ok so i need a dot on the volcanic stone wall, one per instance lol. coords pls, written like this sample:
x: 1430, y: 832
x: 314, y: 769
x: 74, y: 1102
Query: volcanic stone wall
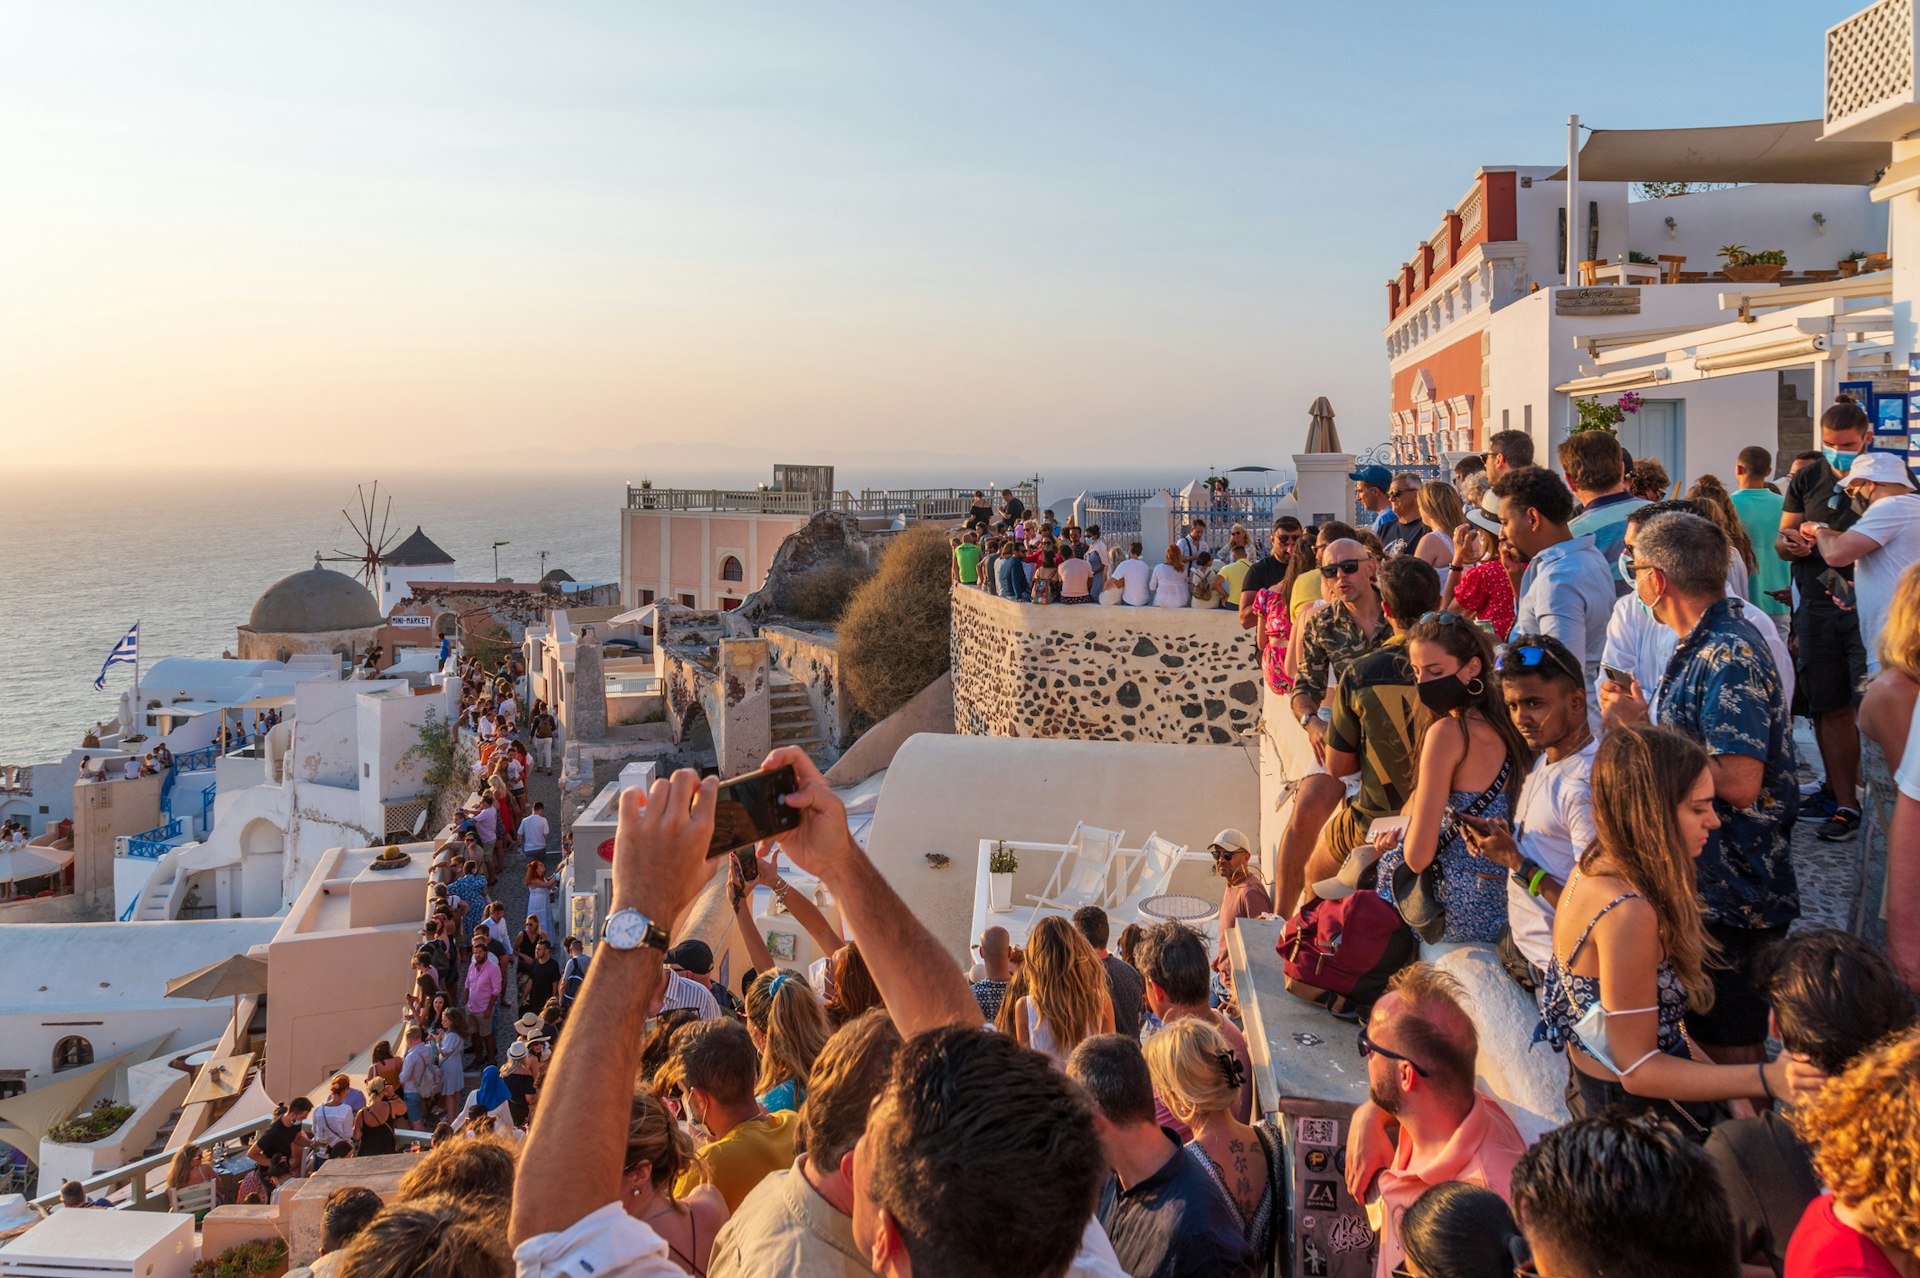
x: 1096, y: 673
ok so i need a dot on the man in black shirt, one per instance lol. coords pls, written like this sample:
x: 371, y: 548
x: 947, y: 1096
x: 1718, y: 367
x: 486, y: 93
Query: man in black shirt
x: 1403, y: 531
x: 539, y: 979
x: 1126, y: 987
x: 1830, y: 661
x: 1271, y: 570
x: 284, y: 1136
x: 1164, y: 1216
x: 1012, y: 510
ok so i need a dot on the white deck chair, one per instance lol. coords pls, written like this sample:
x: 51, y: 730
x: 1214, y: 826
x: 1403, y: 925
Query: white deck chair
x: 1156, y: 860
x: 1084, y: 874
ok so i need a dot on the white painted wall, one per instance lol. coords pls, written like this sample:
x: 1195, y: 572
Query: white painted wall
x: 394, y: 581
x: 1761, y: 217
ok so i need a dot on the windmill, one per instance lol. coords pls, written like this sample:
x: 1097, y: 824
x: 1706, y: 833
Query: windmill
x: 373, y: 546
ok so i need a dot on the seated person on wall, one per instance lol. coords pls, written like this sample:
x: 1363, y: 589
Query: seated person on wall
x: 1331, y: 639
x: 1373, y: 727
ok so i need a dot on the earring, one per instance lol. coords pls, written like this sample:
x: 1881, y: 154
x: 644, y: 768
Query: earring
x: 1476, y: 687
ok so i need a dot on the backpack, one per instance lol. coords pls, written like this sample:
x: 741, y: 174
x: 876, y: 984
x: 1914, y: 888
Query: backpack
x: 1341, y: 954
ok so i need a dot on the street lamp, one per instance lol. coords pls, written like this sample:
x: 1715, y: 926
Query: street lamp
x: 496, y: 557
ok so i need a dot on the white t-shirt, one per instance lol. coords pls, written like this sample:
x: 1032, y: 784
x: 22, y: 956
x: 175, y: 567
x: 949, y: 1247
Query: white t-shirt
x: 1553, y: 824
x: 533, y: 833
x: 1170, y: 589
x: 1893, y: 524
x: 606, y: 1243
x: 1135, y: 579
x: 1642, y: 647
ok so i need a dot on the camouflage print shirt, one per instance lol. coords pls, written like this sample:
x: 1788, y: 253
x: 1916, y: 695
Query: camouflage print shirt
x: 1722, y: 690
x: 1331, y: 642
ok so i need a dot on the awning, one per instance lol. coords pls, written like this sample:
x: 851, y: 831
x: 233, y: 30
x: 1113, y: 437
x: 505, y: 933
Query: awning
x: 32, y: 863
x: 1790, y: 152
x: 233, y: 975
x: 642, y: 616
x: 26, y: 1118
x: 265, y: 703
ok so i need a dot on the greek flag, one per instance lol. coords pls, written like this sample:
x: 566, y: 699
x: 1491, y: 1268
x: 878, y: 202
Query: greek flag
x: 125, y: 653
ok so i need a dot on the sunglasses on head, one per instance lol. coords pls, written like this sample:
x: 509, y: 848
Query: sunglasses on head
x: 1341, y: 567
x: 1444, y: 619
x: 1522, y: 656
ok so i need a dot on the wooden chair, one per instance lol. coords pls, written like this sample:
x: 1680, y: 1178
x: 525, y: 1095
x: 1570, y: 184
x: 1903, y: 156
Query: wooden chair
x: 1876, y: 262
x: 1670, y: 268
x: 1587, y: 277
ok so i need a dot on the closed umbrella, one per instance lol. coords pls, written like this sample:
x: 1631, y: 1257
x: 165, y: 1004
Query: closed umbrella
x: 1321, y: 436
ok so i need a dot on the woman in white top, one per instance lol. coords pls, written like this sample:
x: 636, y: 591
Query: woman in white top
x: 1440, y: 511
x: 1170, y: 589
x: 333, y: 1117
x: 1066, y: 999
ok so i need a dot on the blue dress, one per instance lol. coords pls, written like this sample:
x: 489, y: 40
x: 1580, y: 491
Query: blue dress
x: 1475, y: 905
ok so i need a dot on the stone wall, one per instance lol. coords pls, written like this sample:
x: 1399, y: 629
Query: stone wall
x: 813, y: 660
x: 1090, y: 672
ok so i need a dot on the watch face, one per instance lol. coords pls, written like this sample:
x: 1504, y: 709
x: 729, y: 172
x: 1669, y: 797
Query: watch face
x: 626, y: 929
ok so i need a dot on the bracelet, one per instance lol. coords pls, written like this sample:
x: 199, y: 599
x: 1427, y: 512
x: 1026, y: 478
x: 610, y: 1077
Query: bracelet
x: 1533, y: 884
x: 1764, y: 1086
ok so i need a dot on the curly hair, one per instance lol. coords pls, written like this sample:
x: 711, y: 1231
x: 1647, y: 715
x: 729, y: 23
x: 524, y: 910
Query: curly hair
x: 1065, y: 981
x: 1864, y: 1127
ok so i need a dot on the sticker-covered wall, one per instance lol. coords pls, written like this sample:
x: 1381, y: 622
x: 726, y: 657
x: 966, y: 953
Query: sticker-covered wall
x: 1097, y: 673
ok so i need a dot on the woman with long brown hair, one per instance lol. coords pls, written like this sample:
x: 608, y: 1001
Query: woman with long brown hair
x: 1471, y: 763
x: 1711, y: 496
x: 1066, y: 999
x: 1442, y: 513
x: 1630, y: 951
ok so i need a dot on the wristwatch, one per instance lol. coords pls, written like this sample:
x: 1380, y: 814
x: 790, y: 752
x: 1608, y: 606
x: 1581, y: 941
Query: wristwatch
x: 629, y: 929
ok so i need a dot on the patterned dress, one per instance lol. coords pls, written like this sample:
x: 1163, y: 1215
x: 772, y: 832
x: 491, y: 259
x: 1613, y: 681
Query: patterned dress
x: 1473, y: 890
x: 1485, y: 591
x: 1276, y: 629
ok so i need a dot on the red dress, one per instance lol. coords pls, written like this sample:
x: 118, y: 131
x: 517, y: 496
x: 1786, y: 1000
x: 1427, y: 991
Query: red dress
x: 1485, y: 590
x: 1823, y: 1246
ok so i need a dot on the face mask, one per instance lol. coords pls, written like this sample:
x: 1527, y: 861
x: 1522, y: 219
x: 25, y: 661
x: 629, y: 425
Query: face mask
x: 1860, y: 501
x: 1445, y: 694
x: 1838, y: 460
x: 1591, y: 1030
x: 1620, y: 567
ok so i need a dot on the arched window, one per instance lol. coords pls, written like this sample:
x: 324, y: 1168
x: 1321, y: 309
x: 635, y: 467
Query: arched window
x: 730, y: 570
x: 72, y: 1052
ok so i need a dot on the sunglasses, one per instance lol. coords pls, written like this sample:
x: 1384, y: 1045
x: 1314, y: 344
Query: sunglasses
x: 1523, y: 656
x: 1370, y: 1048
x: 1341, y: 568
x: 1403, y: 492
x: 1444, y: 619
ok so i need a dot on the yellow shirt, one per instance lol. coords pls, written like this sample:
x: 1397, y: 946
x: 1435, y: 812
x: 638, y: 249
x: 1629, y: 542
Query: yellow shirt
x: 745, y: 1156
x: 1306, y: 589
x: 1233, y: 574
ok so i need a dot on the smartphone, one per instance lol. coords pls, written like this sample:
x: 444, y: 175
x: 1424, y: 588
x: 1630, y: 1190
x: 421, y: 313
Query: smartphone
x: 749, y: 808
x: 1478, y: 824
x: 1617, y: 675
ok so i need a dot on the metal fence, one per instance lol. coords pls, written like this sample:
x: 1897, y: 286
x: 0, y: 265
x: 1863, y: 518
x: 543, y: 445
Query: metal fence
x: 1254, y: 511
x: 1117, y: 514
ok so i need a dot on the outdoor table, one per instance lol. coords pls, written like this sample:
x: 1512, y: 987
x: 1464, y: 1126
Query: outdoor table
x: 1627, y: 273
x: 1178, y: 907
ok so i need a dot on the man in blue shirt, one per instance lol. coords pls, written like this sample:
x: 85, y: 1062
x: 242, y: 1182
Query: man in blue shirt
x: 1163, y: 1214
x: 1721, y: 688
x: 1370, y: 484
x: 1596, y: 469
x: 1567, y: 589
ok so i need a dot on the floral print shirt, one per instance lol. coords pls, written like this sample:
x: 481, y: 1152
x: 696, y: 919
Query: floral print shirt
x: 1721, y: 689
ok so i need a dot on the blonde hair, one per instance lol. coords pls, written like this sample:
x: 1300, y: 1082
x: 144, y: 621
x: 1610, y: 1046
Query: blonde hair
x: 1440, y: 507
x: 1864, y: 1127
x: 1065, y: 981
x: 1899, y: 642
x: 782, y: 1008
x: 182, y: 1165
x: 1188, y: 1059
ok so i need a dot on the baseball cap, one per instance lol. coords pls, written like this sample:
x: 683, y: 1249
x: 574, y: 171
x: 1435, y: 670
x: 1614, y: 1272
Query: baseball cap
x: 1379, y: 476
x: 693, y: 956
x: 1231, y: 840
x: 1879, y: 468
x: 1486, y: 516
x: 1352, y: 870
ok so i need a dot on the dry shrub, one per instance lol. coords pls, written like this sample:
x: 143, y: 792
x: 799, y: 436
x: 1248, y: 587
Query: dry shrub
x: 894, y: 636
x: 822, y: 593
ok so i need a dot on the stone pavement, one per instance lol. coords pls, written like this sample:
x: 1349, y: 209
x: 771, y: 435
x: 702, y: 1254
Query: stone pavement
x: 1828, y: 879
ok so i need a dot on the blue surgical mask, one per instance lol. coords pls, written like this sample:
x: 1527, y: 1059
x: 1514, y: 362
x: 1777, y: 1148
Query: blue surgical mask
x: 1620, y: 566
x: 1838, y: 460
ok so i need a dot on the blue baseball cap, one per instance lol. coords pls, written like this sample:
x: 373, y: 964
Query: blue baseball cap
x: 1379, y: 476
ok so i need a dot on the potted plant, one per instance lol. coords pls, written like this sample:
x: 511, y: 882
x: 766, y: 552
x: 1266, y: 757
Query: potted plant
x: 255, y: 1258
x: 1594, y: 415
x: 1850, y: 264
x: 1635, y: 255
x: 1745, y: 266
x: 1000, y: 867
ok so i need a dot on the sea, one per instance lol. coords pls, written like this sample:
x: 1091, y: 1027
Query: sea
x: 84, y: 557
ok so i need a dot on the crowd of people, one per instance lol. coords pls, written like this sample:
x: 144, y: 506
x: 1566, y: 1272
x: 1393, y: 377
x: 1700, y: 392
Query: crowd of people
x: 1551, y: 713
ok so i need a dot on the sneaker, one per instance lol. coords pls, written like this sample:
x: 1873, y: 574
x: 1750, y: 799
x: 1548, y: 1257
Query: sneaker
x: 1841, y: 826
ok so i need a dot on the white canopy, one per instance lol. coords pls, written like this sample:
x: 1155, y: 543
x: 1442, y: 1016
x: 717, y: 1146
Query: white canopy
x: 31, y: 863
x: 1789, y: 152
x: 641, y: 616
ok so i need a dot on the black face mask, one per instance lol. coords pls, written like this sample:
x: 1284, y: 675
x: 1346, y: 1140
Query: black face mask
x: 1445, y: 694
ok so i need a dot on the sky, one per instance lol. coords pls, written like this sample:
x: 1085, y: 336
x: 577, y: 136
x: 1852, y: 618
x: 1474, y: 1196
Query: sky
x: 1048, y: 234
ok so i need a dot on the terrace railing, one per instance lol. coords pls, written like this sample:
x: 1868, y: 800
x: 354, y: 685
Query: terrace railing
x: 153, y: 844
x: 915, y: 503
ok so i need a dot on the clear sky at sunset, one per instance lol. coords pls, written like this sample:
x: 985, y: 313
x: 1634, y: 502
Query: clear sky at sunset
x: 1044, y: 232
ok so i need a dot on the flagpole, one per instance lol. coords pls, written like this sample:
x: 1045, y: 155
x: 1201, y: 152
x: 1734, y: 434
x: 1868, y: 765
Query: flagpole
x: 137, y: 715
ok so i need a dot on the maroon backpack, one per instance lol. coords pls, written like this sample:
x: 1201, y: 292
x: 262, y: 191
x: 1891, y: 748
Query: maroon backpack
x: 1341, y: 954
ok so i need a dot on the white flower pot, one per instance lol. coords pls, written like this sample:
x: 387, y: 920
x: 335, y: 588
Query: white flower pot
x: 1000, y: 893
